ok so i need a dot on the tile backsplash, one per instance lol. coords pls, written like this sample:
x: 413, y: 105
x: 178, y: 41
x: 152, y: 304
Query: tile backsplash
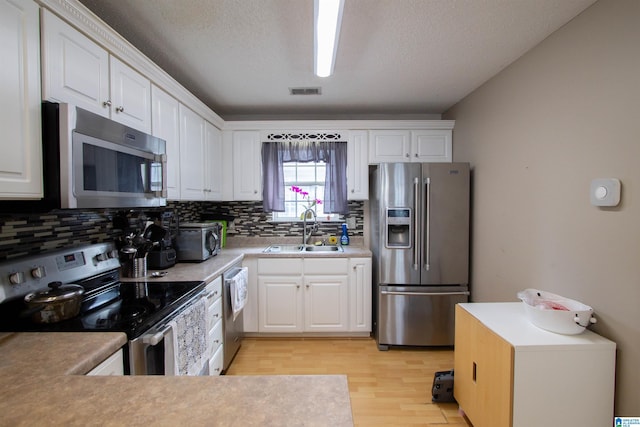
x: 27, y: 234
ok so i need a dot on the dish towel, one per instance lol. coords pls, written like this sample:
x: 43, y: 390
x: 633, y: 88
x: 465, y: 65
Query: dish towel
x: 190, y: 339
x: 238, y: 291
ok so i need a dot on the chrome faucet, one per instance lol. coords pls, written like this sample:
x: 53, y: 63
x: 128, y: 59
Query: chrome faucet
x: 305, y: 238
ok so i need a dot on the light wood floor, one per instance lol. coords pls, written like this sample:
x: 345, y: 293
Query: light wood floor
x: 390, y: 388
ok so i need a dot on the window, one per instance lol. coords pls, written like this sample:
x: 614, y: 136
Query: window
x: 309, y: 178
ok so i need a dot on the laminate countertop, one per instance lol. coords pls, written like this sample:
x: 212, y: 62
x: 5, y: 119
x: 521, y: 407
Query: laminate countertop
x: 39, y: 388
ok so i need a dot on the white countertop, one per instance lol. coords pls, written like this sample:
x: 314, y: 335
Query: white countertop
x: 509, y: 321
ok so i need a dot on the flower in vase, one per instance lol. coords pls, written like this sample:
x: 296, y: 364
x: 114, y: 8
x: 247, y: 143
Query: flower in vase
x: 310, y: 203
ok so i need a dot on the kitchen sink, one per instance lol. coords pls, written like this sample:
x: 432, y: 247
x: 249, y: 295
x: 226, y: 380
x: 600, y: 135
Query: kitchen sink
x: 288, y: 249
x: 281, y: 249
x: 323, y: 249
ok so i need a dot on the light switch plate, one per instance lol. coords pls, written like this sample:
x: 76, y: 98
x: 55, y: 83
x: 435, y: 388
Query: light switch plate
x: 605, y: 192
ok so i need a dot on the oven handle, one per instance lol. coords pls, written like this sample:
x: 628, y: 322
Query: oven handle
x: 154, y: 339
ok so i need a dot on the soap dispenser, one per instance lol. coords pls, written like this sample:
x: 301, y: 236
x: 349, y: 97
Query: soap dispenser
x: 344, y: 239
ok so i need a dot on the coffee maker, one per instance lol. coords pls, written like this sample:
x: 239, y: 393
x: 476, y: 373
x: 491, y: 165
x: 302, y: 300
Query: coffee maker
x: 162, y: 254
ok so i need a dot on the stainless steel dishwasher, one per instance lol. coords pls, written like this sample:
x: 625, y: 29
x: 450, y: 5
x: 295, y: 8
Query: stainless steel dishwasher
x: 233, y: 329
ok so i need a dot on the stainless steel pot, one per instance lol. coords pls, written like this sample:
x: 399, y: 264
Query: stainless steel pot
x: 58, y: 303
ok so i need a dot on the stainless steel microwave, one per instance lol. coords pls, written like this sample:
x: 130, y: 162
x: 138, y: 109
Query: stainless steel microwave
x: 89, y: 161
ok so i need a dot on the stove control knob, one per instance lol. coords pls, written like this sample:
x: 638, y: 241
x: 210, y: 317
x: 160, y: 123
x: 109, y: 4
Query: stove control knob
x: 102, y: 257
x: 38, y: 272
x: 16, y: 278
x: 112, y: 254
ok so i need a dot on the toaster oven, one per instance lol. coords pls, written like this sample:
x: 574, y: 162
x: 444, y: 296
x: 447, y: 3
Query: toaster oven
x: 198, y: 241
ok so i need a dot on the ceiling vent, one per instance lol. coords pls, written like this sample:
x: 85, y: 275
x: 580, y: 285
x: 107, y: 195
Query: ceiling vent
x: 305, y: 91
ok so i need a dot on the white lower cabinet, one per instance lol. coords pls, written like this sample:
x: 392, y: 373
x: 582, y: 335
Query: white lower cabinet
x: 360, y: 294
x: 113, y: 365
x: 297, y: 295
x: 214, y: 325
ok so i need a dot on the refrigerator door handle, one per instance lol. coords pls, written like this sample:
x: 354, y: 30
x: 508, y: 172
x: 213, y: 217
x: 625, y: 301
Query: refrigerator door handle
x: 430, y: 294
x: 416, y: 228
x: 427, y: 226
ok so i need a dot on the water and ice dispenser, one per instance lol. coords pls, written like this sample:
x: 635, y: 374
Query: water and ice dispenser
x: 398, y: 228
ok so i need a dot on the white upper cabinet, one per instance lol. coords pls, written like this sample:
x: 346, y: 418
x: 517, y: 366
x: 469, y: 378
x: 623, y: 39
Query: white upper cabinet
x: 423, y: 145
x: 192, y: 140
x: 247, y: 165
x: 165, y: 124
x: 212, y: 162
x: 357, y: 165
x: 431, y: 145
x: 74, y: 68
x: 130, y: 96
x: 78, y: 71
x: 21, y: 160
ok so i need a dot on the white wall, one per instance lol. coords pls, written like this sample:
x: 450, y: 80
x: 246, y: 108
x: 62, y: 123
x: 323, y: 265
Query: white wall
x: 536, y: 135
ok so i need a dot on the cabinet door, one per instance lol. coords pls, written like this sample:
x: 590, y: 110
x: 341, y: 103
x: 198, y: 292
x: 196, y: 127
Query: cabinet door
x: 247, y: 166
x: 281, y: 307
x: 113, y: 365
x: 360, y: 288
x: 191, y: 155
x: 213, y: 162
x: 358, y: 165
x: 431, y: 145
x: 21, y: 160
x: 74, y: 68
x: 483, y: 363
x: 389, y: 146
x: 130, y: 96
x: 326, y: 304
x: 165, y: 124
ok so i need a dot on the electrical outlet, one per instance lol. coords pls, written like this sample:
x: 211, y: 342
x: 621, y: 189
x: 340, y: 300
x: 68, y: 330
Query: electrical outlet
x: 351, y: 223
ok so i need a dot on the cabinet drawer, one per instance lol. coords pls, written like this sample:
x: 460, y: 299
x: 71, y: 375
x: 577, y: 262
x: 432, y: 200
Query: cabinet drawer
x: 215, y: 363
x: 280, y: 266
x: 215, y: 338
x: 326, y: 266
x: 214, y: 290
x: 214, y: 313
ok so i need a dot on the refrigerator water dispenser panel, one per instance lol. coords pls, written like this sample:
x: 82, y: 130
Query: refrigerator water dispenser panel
x: 398, y: 228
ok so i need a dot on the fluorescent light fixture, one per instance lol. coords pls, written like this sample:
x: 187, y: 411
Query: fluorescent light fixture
x: 327, y: 19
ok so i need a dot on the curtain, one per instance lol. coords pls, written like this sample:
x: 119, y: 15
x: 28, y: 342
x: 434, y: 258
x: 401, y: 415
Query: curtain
x: 333, y: 153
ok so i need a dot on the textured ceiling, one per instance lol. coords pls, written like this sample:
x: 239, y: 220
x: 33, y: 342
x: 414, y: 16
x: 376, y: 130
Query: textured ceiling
x: 396, y: 58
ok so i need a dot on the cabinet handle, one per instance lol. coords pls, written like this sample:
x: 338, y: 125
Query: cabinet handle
x: 407, y: 155
x: 119, y: 109
x: 255, y: 191
x: 416, y: 155
x: 107, y: 103
x: 475, y: 370
x: 297, y: 286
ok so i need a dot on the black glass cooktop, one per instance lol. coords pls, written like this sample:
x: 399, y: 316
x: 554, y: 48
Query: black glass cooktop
x: 130, y: 307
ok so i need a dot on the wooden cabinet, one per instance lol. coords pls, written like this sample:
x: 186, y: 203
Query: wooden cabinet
x: 360, y: 288
x: 508, y: 372
x: 192, y: 140
x: 113, y: 365
x: 423, y: 145
x: 214, y: 325
x: 247, y: 165
x: 21, y: 160
x: 358, y: 165
x: 165, y: 124
x: 78, y: 71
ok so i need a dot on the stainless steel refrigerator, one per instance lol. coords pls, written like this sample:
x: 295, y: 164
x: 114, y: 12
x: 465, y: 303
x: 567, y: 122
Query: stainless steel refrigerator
x: 419, y: 215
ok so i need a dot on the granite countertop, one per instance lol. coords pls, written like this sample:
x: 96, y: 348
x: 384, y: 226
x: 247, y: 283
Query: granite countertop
x: 236, y: 250
x: 39, y: 387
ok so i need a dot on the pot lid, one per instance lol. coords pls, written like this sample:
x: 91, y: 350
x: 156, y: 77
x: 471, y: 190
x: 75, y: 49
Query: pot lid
x: 57, y: 292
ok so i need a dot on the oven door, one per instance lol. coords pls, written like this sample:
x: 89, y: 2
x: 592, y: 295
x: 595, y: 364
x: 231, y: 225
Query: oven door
x: 155, y: 351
